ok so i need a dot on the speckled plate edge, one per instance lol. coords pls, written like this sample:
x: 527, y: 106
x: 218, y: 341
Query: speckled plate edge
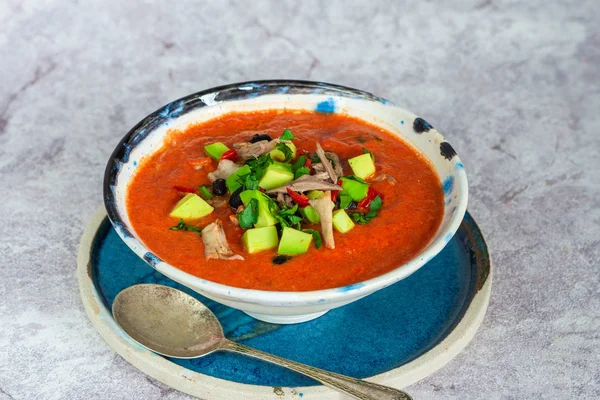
x: 207, y: 387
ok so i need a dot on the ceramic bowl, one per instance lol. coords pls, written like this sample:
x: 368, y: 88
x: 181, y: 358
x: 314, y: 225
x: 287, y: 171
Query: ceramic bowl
x: 284, y: 307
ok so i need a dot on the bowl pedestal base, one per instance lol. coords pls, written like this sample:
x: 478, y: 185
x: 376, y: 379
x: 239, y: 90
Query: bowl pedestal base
x: 285, y: 319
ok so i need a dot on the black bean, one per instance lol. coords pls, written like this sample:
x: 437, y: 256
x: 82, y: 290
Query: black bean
x: 278, y: 260
x: 258, y: 138
x: 235, y: 201
x: 352, y: 206
x: 219, y: 187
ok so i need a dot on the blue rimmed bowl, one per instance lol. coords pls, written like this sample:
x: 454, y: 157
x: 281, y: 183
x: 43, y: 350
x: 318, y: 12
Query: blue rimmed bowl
x: 284, y: 307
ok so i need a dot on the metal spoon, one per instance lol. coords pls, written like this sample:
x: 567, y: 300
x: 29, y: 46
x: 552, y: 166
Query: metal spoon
x: 172, y: 323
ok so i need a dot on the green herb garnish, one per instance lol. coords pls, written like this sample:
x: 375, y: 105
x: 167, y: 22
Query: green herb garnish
x: 287, y: 152
x: 249, y: 216
x: 374, y: 207
x: 366, y: 151
x: 355, y: 178
x: 377, y: 138
x: 204, y: 192
x: 299, y: 163
x: 287, y: 135
x: 285, y: 215
x: 182, y: 226
x: 301, y: 171
x: 345, y: 199
x: 360, y: 139
x: 316, y: 237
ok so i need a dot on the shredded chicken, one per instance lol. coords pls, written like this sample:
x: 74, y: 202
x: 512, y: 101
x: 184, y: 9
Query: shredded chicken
x: 324, y: 206
x: 215, y: 243
x: 305, y: 183
x: 285, y: 199
x: 336, y: 161
x: 385, y: 177
x: 224, y: 169
x: 319, y: 176
x: 247, y: 150
x: 326, y: 163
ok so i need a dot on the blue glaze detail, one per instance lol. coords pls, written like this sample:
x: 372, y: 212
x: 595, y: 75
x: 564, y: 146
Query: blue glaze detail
x: 152, y: 259
x: 172, y: 110
x: 402, y: 122
x: 300, y: 394
x: 283, y: 90
x: 420, y: 309
x: 448, y: 185
x: 251, y: 86
x: 354, y: 286
x: 326, y: 106
x: 459, y: 165
x: 135, y: 163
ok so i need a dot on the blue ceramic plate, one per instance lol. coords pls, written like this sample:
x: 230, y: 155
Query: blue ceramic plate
x: 395, y: 334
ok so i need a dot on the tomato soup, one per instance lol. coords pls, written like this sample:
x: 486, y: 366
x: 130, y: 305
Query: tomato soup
x: 410, y: 214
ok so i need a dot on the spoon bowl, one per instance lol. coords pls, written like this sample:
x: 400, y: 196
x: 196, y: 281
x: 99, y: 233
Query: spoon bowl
x: 174, y: 324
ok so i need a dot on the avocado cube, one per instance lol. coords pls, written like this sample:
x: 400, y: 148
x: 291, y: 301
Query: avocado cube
x: 232, y: 181
x: 342, y: 222
x: 191, y: 206
x: 356, y: 190
x: 276, y: 175
x: 265, y: 217
x: 277, y: 155
x: 362, y: 166
x: 259, y: 239
x: 294, y: 242
x: 216, y: 150
x: 315, y: 194
x: 310, y: 214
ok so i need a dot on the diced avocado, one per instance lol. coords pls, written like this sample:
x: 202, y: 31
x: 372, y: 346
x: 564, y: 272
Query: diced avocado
x: 191, y: 206
x: 342, y: 222
x: 259, y: 239
x: 276, y: 175
x: 315, y: 194
x: 294, y: 242
x: 356, y: 190
x: 265, y: 217
x: 310, y: 214
x: 277, y: 155
x: 232, y: 181
x: 216, y: 150
x: 362, y: 166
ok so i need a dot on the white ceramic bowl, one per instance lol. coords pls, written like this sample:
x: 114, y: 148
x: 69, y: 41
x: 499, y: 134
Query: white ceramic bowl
x: 284, y: 307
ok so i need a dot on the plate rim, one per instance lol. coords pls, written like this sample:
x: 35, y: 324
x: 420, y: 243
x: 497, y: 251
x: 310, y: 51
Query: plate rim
x: 208, y: 387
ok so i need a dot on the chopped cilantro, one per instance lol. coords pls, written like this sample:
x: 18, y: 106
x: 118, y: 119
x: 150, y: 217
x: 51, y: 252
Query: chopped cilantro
x: 249, y: 216
x: 205, y: 193
x: 366, y: 151
x: 345, y: 200
x: 287, y: 135
x: 182, y: 226
x: 301, y: 171
x: 360, y: 139
x: 374, y: 207
x: 299, y: 163
x: 316, y: 237
x: 354, y: 178
x: 287, y: 152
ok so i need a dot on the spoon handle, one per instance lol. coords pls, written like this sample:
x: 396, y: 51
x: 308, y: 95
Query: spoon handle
x: 356, y: 388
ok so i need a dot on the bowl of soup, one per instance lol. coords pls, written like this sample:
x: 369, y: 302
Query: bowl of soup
x: 285, y: 199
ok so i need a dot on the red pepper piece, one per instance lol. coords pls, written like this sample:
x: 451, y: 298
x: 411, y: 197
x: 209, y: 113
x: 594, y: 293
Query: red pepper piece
x: 308, y: 163
x: 335, y: 193
x: 184, y: 189
x: 302, y: 152
x: 262, y: 190
x: 371, y: 194
x: 230, y: 155
x: 298, y: 198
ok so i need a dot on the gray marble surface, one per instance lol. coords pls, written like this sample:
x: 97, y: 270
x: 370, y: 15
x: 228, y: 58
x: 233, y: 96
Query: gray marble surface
x: 514, y: 85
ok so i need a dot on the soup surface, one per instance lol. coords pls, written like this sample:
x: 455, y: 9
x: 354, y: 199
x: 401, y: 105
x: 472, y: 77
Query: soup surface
x: 410, y: 215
